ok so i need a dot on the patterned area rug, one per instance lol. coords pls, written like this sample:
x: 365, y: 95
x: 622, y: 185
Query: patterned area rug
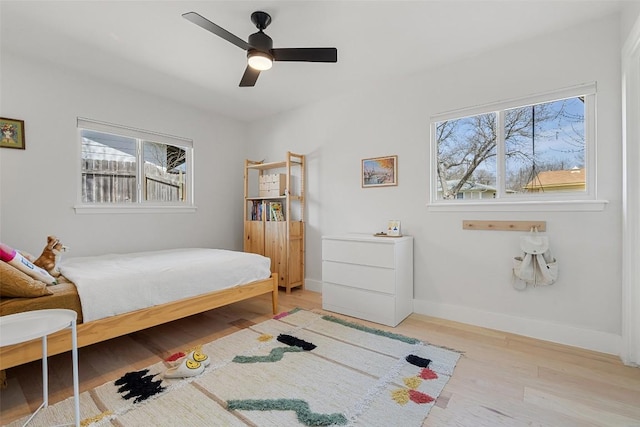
x: 297, y: 369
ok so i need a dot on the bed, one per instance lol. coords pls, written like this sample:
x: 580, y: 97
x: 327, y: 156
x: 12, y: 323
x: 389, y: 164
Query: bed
x: 171, y: 285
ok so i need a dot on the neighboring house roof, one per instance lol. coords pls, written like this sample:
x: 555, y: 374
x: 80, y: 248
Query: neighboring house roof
x: 561, y: 180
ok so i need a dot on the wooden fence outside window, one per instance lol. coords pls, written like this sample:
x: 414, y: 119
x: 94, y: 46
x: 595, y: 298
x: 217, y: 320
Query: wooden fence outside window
x: 113, y: 181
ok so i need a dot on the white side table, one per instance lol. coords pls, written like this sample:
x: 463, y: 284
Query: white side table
x: 26, y: 326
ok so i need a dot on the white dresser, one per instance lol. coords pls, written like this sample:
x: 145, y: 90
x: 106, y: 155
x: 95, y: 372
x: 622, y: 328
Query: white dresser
x: 368, y: 277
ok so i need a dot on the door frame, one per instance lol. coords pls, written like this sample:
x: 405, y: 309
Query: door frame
x: 630, y: 353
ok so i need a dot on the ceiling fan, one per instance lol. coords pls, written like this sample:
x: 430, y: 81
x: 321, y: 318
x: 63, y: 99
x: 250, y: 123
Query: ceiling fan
x: 260, y: 51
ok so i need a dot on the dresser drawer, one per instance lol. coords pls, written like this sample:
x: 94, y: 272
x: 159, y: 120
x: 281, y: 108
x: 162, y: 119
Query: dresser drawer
x: 371, y: 306
x: 359, y: 276
x: 355, y: 252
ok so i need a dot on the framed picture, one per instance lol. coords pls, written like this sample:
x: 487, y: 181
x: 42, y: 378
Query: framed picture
x: 12, y: 133
x: 393, y: 228
x: 380, y: 171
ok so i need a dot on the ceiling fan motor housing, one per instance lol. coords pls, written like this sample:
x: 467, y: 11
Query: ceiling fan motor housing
x: 260, y: 41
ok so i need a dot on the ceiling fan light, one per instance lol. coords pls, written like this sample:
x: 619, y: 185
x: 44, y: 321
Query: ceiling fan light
x: 260, y: 60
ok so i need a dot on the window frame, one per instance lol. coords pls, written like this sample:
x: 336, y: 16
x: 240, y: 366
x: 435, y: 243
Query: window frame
x: 584, y: 200
x: 141, y: 136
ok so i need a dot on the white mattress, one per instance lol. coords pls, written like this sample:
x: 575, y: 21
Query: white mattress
x: 119, y: 283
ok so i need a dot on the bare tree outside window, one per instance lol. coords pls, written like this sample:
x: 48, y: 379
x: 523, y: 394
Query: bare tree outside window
x: 465, y: 146
x: 554, y: 142
x: 534, y: 140
x: 164, y: 172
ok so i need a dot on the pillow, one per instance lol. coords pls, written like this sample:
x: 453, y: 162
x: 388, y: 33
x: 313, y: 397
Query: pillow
x: 18, y: 261
x: 14, y: 283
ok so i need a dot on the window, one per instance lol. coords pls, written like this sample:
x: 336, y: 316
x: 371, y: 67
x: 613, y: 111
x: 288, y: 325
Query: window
x: 539, y: 148
x: 130, y: 168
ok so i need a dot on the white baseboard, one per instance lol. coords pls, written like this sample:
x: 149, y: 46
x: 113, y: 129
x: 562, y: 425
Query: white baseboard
x: 540, y: 329
x: 603, y: 342
x: 313, y: 285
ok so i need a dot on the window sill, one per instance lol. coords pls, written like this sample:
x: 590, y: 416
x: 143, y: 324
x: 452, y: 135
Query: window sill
x: 135, y: 209
x: 521, y: 206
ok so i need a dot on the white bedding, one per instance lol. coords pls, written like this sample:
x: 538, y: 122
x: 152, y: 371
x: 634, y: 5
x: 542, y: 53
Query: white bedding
x: 118, y: 283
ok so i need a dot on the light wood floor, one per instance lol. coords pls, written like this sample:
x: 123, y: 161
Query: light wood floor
x: 501, y: 380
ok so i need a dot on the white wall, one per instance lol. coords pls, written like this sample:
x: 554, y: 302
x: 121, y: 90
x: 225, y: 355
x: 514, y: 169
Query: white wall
x: 465, y: 275
x: 37, y: 193
x: 628, y: 17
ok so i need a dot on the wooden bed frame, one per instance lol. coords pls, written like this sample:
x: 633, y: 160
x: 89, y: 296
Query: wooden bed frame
x: 126, y: 323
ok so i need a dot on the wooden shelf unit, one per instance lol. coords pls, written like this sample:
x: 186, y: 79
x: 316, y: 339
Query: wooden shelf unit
x: 282, y: 241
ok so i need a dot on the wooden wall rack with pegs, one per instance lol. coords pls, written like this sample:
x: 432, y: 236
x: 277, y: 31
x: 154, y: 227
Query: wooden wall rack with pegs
x: 504, y: 225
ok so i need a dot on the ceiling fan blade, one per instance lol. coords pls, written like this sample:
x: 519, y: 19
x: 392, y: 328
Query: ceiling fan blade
x: 307, y: 54
x: 215, y: 29
x: 249, y: 77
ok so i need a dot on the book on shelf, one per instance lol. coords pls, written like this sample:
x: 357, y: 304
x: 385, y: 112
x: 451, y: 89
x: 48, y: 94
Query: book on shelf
x: 256, y: 210
x: 275, y: 211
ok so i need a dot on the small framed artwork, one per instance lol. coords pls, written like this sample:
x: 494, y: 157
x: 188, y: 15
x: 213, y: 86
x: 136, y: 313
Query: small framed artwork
x: 12, y: 133
x: 393, y: 228
x: 380, y: 171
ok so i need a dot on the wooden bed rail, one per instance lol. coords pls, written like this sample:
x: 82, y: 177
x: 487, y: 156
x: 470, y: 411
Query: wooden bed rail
x: 126, y: 323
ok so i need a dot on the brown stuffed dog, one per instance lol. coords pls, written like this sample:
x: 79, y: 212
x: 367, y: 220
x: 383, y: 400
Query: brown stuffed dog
x: 51, y: 256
